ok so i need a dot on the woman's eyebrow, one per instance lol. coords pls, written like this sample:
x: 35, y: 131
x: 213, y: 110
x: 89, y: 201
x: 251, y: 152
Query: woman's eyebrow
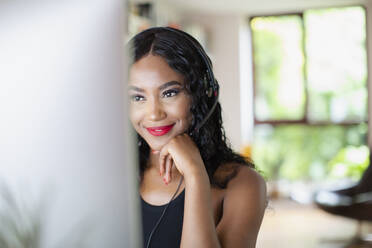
x: 169, y: 84
x: 162, y: 87
x: 131, y: 87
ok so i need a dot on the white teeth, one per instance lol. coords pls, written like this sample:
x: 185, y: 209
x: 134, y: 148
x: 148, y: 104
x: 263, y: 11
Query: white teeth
x: 158, y: 130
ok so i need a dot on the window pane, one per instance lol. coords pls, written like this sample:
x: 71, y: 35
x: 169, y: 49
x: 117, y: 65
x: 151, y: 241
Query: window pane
x: 310, y: 152
x: 336, y: 64
x: 278, y: 62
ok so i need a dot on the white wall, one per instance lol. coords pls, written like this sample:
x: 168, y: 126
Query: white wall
x: 223, y: 37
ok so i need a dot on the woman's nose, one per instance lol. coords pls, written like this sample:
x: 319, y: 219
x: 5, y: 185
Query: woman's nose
x: 155, y: 111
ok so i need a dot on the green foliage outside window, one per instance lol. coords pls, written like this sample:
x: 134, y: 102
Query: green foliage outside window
x: 279, y: 62
x: 311, y: 68
x: 309, y: 152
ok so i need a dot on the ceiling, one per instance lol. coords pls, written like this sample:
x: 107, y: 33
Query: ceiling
x: 255, y: 6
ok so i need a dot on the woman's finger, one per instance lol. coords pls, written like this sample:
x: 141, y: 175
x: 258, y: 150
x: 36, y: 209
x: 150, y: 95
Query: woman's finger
x: 162, y: 161
x: 168, y: 166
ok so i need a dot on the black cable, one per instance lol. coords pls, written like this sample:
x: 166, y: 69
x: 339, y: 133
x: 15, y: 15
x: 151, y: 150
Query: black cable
x: 161, y: 216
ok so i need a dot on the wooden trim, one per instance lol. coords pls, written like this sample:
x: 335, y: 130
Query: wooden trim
x: 303, y: 122
x: 276, y: 15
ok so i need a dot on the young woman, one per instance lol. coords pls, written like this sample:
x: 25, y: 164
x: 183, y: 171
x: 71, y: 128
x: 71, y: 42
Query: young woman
x: 195, y: 191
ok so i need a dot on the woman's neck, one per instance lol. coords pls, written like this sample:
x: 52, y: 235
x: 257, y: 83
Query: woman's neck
x: 153, y: 161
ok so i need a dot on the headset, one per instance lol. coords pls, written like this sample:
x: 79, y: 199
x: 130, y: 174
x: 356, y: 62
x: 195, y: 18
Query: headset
x: 211, y: 90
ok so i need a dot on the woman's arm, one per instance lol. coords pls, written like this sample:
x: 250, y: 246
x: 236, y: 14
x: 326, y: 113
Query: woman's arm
x: 198, y: 223
x: 243, y: 206
x: 198, y: 228
x: 243, y: 209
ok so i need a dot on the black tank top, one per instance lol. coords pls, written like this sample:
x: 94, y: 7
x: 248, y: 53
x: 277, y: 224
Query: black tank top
x: 168, y: 233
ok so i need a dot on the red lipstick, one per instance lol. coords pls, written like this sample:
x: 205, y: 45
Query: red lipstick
x: 159, y: 131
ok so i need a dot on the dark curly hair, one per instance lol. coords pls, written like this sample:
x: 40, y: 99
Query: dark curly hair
x: 180, y: 50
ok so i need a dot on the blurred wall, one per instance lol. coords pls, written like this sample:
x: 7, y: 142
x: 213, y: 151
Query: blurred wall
x: 223, y: 37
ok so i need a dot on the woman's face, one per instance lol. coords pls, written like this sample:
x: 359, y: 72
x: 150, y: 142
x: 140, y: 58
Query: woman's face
x: 159, y: 102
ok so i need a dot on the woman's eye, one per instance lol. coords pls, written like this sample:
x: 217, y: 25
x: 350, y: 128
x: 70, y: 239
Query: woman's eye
x: 170, y: 93
x: 136, y: 98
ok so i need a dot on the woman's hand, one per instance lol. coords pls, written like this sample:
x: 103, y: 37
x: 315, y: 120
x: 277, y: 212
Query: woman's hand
x: 182, y: 152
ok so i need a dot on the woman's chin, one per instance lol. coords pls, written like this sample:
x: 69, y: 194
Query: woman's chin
x: 158, y: 143
x: 156, y: 147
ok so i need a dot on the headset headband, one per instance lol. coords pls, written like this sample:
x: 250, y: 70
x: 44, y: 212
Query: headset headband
x: 212, y: 89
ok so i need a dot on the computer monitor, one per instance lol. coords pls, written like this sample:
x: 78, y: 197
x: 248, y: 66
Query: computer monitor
x: 67, y: 167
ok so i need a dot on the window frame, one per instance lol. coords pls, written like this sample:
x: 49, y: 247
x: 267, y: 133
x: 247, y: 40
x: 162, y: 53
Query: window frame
x: 304, y: 120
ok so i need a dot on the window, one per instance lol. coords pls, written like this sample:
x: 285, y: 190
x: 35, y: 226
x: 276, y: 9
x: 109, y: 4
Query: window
x: 310, y: 94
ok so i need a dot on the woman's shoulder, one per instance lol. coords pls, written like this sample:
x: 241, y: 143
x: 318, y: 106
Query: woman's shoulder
x: 237, y: 173
x: 247, y: 177
x: 244, y: 199
x: 243, y: 205
x: 241, y: 179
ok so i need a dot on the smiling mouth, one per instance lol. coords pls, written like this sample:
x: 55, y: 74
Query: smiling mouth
x: 159, y: 131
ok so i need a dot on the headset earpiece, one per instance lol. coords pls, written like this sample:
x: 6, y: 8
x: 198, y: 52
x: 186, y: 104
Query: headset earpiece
x: 210, y: 82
